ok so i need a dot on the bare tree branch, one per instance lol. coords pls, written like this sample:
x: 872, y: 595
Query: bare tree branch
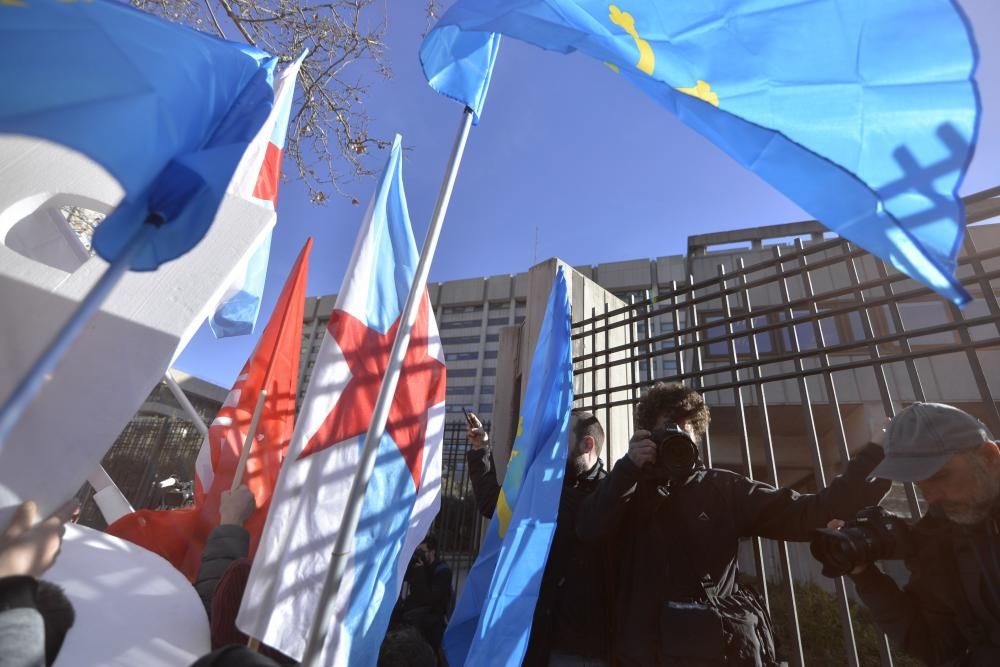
x: 328, y: 135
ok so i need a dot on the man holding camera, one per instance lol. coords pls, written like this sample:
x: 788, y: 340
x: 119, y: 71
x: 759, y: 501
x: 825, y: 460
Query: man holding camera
x: 571, y: 625
x: 949, y: 613
x: 678, y: 525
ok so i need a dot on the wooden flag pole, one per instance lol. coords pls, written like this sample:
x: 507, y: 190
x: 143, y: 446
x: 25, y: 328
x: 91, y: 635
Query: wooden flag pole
x: 352, y: 512
x: 182, y: 399
x: 248, y: 442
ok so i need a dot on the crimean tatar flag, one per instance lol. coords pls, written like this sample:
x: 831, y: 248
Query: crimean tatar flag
x: 180, y: 535
x: 403, y: 494
x: 256, y: 180
x: 863, y: 113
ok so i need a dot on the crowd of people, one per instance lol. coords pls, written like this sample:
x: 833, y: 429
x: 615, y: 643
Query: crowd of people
x: 643, y: 565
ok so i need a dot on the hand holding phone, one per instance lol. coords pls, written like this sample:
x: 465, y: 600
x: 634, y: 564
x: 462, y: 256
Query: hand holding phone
x: 478, y: 437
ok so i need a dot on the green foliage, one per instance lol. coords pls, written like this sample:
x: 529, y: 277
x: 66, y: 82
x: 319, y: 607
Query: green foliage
x: 822, y: 633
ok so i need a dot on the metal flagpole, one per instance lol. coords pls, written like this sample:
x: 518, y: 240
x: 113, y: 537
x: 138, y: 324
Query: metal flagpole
x: 352, y: 513
x: 241, y: 466
x: 182, y: 399
x: 40, y: 372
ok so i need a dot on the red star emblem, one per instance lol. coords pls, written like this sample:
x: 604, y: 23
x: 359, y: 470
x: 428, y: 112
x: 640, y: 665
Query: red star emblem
x: 421, y: 385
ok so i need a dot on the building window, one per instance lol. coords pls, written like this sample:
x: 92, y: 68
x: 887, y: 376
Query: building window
x: 457, y: 407
x: 491, y: 338
x: 462, y: 356
x: 485, y: 408
x: 461, y: 391
x: 518, y: 319
x: 490, y: 354
x: 462, y: 373
x: 497, y: 321
x: 487, y: 389
x: 461, y: 340
x: 454, y: 310
x: 489, y: 372
x: 460, y: 324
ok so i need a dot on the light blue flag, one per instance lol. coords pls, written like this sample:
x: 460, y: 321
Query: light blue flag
x: 492, y: 620
x: 863, y: 113
x: 167, y: 110
x: 459, y: 65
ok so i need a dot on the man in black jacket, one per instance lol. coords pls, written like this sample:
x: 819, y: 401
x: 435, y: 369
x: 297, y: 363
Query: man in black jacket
x: 572, y: 622
x: 427, y: 604
x: 678, y: 525
x: 949, y: 613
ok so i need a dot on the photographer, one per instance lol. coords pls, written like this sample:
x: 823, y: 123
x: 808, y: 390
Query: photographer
x: 678, y: 525
x: 428, y: 604
x: 572, y: 624
x: 949, y: 613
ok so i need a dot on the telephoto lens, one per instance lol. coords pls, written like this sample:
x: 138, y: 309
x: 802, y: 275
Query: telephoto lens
x: 874, y: 535
x: 676, y: 452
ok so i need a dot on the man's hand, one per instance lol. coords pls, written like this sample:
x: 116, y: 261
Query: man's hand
x: 641, y: 449
x: 28, y: 548
x: 837, y: 524
x: 235, y: 507
x: 478, y: 437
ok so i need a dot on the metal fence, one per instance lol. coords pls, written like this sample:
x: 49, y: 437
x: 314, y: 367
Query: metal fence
x: 458, y: 527
x: 796, y: 355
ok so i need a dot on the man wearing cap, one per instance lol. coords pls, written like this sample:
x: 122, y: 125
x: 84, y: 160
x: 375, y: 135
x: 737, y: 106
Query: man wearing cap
x: 949, y: 612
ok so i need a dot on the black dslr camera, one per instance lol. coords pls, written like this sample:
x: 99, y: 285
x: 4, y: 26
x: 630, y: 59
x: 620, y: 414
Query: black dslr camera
x: 873, y: 535
x: 676, y: 452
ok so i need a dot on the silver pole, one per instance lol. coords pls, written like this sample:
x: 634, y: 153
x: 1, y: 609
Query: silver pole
x: 352, y: 513
x: 182, y: 399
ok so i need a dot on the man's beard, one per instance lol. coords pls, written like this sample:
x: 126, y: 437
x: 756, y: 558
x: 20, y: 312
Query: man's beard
x: 977, y: 508
x: 576, y: 465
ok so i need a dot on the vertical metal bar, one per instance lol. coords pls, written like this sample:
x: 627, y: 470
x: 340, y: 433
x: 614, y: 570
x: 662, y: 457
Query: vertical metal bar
x: 607, y: 370
x: 593, y: 361
x: 843, y: 607
x: 650, y: 360
x: 758, y: 549
x: 633, y: 337
x: 878, y: 367
x: 897, y: 321
x: 697, y: 368
x: 676, y: 319
x: 788, y: 584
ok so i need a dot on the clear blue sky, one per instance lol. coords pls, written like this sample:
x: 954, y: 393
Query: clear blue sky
x: 564, y: 145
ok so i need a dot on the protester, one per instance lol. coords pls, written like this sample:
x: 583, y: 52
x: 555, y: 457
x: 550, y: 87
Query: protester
x: 677, y: 525
x: 27, y: 549
x: 572, y: 622
x: 227, y: 543
x: 427, y: 605
x: 405, y: 646
x: 949, y: 612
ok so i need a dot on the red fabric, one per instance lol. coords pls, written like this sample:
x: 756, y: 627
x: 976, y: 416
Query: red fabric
x: 180, y: 535
x: 270, y: 172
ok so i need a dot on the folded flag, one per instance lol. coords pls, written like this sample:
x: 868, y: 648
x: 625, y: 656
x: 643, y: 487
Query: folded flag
x: 492, y: 620
x: 403, y: 494
x: 863, y: 113
x: 256, y: 180
x: 180, y: 535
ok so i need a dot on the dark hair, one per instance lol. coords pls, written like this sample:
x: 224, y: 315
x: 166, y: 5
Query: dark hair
x: 431, y: 542
x: 588, y: 424
x: 405, y: 647
x: 57, y: 614
x: 677, y: 402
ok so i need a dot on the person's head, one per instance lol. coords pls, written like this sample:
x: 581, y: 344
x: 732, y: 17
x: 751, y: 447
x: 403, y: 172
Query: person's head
x: 57, y: 616
x: 405, y: 647
x: 950, y: 455
x: 428, y: 549
x: 673, y: 403
x: 586, y: 440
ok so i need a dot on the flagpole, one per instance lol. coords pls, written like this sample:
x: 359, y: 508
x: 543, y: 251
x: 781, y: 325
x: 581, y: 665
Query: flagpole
x: 41, y: 371
x: 182, y: 399
x: 352, y: 512
x: 241, y: 466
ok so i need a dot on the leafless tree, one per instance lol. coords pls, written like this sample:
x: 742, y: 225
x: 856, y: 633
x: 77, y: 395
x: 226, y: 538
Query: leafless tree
x: 328, y: 134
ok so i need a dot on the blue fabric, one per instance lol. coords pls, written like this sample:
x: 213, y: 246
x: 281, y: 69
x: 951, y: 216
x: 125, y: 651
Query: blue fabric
x: 492, y: 620
x: 396, y: 254
x: 167, y: 110
x: 460, y: 64
x: 863, y: 113
x: 237, y: 316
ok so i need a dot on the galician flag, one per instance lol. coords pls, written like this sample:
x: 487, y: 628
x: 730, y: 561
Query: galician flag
x: 492, y: 620
x: 403, y: 495
x: 256, y: 180
x: 180, y: 535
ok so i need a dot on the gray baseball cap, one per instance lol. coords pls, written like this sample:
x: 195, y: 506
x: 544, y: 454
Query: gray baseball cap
x: 922, y: 438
